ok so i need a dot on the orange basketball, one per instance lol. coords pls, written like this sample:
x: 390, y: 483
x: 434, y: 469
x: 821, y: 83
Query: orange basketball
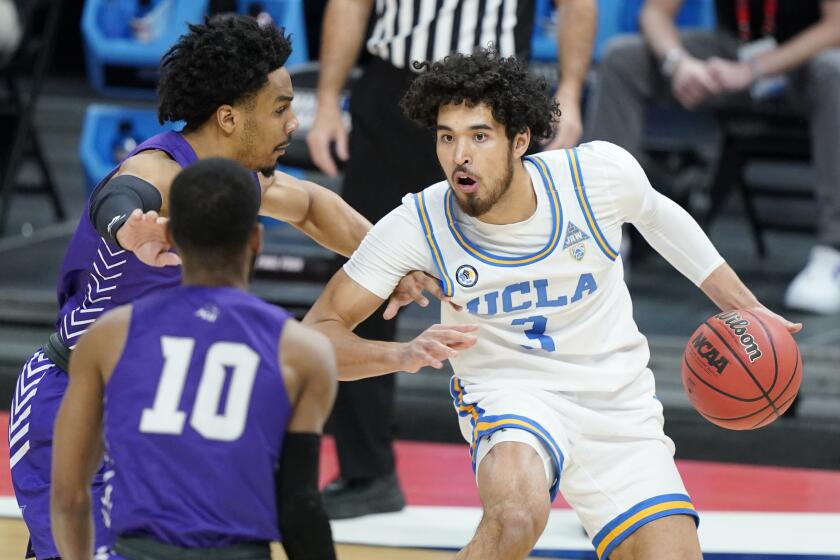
x: 741, y: 369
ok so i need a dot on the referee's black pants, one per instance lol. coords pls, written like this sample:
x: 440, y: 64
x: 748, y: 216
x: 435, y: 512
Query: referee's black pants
x: 390, y: 156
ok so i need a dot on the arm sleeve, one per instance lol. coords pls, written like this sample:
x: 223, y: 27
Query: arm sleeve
x: 112, y: 204
x: 663, y: 223
x: 391, y: 249
x: 303, y: 522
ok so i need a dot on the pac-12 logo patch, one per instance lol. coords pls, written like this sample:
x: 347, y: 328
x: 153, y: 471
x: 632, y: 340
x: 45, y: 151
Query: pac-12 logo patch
x: 578, y: 251
x: 466, y: 275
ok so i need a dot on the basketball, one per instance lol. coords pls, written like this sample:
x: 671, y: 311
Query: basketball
x: 741, y: 369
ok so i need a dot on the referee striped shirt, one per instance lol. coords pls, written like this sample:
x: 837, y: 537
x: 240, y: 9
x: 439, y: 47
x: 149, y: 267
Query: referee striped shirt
x: 417, y: 30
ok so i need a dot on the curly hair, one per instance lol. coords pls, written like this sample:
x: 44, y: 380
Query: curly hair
x: 224, y: 60
x: 517, y: 99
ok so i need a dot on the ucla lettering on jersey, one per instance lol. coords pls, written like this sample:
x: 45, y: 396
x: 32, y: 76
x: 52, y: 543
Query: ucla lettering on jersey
x: 558, y: 317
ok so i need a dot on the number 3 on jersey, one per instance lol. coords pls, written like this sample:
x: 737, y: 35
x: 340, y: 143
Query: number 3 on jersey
x: 536, y: 332
x: 164, y: 416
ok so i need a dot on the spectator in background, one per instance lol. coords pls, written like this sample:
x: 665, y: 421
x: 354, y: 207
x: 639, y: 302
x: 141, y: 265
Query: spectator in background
x: 10, y: 30
x: 756, y: 45
x: 388, y: 156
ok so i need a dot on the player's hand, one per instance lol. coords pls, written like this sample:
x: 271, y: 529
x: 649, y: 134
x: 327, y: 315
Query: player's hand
x: 328, y: 127
x: 569, y: 129
x: 411, y: 288
x: 792, y: 328
x: 145, y: 236
x: 732, y: 76
x: 693, y: 82
x: 436, y: 344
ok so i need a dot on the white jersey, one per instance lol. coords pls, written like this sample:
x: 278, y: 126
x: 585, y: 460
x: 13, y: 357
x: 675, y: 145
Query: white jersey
x: 548, y: 293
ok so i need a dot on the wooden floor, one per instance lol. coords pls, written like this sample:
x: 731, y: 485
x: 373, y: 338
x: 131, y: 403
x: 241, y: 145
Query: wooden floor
x: 13, y: 536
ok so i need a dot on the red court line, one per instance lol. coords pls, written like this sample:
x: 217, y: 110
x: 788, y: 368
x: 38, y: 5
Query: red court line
x: 440, y: 474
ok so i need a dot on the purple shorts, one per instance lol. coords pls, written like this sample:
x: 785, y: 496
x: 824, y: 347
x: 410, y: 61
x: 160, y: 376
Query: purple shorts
x: 40, y: 388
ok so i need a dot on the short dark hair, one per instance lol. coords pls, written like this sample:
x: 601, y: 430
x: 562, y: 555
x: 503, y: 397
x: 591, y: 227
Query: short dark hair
x: 224, y: 60
x: 213, y: 207
x: 517, y: 99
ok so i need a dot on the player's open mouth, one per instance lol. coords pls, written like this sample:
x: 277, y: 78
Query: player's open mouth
x: 281, y: 147
x: 466, y: 183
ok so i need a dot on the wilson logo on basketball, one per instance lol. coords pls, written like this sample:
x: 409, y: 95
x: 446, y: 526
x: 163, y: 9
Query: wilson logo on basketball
x: 708, y: 352
x: 738, y: 325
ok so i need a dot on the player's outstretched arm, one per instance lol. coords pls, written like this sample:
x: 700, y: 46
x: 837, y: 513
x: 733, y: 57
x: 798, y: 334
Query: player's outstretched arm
x: 728, y: 292
x: 309, y: 371
x: 344, y: 304
x: 126, y: 209
x: 316, y: 211
x: 77, y: 442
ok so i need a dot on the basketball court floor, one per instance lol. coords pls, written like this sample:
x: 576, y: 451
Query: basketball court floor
x: 746, y: 512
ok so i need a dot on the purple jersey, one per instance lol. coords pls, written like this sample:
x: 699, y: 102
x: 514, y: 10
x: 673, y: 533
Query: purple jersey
x: 97, y: 275
x: 195, y: 414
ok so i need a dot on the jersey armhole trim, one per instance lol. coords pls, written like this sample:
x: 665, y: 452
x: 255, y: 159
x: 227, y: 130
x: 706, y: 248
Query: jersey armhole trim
x: 586, y: 208
x: 429, y: 234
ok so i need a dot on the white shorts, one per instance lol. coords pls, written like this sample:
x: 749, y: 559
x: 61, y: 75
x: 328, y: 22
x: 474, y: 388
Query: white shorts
x: 605, y: 452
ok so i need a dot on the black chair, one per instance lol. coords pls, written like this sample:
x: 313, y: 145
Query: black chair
x: 767, y: 132
x: 22, y: 80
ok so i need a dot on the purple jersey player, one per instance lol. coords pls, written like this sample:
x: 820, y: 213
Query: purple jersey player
x: 225, y: 79
x: 208, y: 403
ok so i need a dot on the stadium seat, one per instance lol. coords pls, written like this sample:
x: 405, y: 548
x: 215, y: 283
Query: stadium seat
x: 287, y: 14
x: 118, y: 64
x: 100, y: 130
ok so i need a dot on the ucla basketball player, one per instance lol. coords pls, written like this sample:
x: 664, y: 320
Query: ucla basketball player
x: 551, y: 382
x: 200, y: 392
x: 225, y: 79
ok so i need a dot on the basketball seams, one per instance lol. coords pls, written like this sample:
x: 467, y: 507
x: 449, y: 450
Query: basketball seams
x: 717, y: 389
x: 796, y: 368
x: 772, y: 347
x: 737, y: 356
x: 766, y: 418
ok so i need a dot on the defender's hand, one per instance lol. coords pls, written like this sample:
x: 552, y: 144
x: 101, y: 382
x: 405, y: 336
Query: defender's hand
x: 145, y: 236
x: 436, y: 344
x: 411, y: 289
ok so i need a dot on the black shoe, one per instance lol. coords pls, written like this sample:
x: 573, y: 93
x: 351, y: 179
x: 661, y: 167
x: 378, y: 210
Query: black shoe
x: 344, y: 499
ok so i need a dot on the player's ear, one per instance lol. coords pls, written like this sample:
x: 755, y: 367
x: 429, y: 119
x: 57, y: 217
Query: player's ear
x: 227, y: 118
x: 256, y: 241
x: 521, y: 142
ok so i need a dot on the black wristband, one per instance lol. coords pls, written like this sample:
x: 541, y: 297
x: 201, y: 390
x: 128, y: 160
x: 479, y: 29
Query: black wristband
x: 114, y: 202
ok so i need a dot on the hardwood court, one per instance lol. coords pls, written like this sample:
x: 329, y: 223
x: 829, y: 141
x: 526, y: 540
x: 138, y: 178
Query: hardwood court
x: 13, y: 536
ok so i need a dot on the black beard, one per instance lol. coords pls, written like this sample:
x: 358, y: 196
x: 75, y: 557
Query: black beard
x: 267, y: 172
x: 475, y: 207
